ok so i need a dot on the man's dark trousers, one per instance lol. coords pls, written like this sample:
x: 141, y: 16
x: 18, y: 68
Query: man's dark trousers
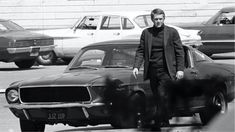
x: 158, y: 78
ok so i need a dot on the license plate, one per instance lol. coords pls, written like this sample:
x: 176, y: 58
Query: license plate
x: 56, y: 115
x: 34, y: 52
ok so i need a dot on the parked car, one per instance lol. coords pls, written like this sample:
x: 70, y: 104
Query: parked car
x: 77, y: 97
x: 217, y: 33
x: 98, y: 27
x: 21, y: 46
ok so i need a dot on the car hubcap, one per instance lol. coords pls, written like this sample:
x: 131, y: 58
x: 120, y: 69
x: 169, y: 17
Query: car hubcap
x: 46, y: 57
x: 219, y: 101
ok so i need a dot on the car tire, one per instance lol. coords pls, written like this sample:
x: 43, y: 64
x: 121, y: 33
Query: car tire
x: 217, y: 105
x: 24, y: 64
x: 134, y: 118
x: 47, y: 59
x: 31, y: 126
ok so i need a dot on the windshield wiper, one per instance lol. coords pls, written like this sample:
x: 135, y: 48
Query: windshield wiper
x: 83, y: 67
x: 116, y: 66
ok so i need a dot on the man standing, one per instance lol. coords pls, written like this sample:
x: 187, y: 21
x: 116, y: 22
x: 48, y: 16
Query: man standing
x: 161, y: 50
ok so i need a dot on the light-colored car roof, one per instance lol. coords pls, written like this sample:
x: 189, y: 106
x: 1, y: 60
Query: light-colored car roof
x: 120, y: 13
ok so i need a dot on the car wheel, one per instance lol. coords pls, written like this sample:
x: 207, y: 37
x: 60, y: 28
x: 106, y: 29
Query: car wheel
x: 31, y: 126
x: 132, y: 118
x: 47, y: 59
x: 217, y: 105
x: 24, y: 64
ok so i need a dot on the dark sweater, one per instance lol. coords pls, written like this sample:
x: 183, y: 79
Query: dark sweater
x: 157, y: 54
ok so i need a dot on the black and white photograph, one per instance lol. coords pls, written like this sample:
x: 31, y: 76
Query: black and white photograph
x: 117, y: 65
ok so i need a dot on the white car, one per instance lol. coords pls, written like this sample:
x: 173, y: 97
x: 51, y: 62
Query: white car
x: 102, y: 26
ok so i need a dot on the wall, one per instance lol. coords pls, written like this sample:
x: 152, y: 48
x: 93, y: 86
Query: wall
x: 63, y: 13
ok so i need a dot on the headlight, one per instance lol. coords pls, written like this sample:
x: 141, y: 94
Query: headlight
x: 12, y: 96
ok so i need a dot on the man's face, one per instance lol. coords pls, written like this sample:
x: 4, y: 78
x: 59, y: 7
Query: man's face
x: 158, y: 20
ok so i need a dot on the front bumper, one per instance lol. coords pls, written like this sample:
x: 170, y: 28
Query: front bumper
x: 60, y: 112
x: 30, y: 49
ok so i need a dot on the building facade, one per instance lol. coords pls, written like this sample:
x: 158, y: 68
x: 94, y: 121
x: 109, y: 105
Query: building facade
x: 63, y: 13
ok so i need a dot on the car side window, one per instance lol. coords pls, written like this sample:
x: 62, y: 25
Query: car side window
x: 226, y: 18
x: 110, y: 23
x: 143, y: 21
x: 2, y: 28
x: 124, y: 57
x: 126, y: 24
x: 200, y: 57
x: 92, y: 57
x: 89, y: 23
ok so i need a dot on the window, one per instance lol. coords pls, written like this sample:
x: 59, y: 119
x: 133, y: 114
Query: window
x: 126, y: 24
x: 110, y: 23
x: 93, y: 57
x: 2, y: 28
x: 143, y: 21
x: 124, y: 57
x: 199, y: 57
x: 226, y: 18
x: 89, y: 23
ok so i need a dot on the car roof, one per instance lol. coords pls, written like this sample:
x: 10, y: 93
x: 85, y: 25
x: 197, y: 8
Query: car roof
x: 228, y: 9
x: 120, y: 13
x: 120, y: 42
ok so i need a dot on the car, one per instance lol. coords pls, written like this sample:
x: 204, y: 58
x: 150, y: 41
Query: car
x: 98, y: 27
x: 217, y: 33
x: 81, y: 95
x: 21, y: 46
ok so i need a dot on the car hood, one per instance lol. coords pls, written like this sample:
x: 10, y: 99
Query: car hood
x: 79, y: 77
x: 23, y: 35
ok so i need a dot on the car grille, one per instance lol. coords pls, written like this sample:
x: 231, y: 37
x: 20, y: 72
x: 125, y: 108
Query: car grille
x: 36, y: 42
x: 54, y: 94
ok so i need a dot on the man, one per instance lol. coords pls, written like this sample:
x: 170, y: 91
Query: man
x: 161, y: 50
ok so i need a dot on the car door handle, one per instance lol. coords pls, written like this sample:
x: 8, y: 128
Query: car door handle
x: 116, y: 34
x: 90, y: 34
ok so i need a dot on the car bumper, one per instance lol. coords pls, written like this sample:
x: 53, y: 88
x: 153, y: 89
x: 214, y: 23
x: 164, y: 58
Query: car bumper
x: 30, y: 49
x: 61, y: 112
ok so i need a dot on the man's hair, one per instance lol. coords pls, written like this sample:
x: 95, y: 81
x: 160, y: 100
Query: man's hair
x: 157, y: 11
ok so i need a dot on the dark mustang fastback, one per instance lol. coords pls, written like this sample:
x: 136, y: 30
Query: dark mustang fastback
x: 21, y: 46
x: 217, y: 33
x: 98, y: 87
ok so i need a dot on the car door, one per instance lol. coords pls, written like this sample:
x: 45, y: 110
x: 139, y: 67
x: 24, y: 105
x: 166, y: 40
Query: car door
x: 83, y: 34
x: 218, y: 36
x: 225, y: 30
x: 130, y: 29
x: 110, y: 28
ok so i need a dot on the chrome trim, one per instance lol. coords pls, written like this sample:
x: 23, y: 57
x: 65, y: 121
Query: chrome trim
x: 46, y: 48
x: 43, y: 86
x: 232, y: 40
x: 53, y: 105
x: 85, y: 112
x: 26, y: 114
x: 29, y: 49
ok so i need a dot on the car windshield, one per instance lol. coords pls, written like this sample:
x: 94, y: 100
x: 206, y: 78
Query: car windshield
x: 104, y: 57
x: 9, y: 26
